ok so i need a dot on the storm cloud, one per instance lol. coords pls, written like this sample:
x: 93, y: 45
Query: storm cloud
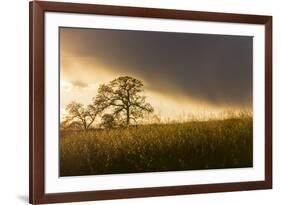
x: 216, y: 69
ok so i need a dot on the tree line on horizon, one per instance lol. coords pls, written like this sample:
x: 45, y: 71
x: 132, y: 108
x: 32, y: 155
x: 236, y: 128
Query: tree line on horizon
x: 117, y: 103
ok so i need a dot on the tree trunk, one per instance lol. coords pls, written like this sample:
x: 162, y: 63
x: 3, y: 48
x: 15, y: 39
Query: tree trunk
x: 128, y: 116
x: 85, y: 124
x: 128, y: 108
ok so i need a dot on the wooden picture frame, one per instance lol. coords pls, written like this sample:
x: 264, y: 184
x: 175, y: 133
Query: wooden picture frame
x: 37, y: 99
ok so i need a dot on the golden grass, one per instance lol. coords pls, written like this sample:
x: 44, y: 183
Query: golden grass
x: 195, y: 145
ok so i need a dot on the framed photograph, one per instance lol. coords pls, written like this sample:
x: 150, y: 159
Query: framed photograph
x: 139, y: 102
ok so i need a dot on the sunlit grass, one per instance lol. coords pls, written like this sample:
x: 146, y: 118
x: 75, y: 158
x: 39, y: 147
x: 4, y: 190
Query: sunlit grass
x: 171, y: 146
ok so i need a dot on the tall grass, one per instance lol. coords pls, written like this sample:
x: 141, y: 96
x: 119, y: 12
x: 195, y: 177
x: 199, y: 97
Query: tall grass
x: 193, y: 145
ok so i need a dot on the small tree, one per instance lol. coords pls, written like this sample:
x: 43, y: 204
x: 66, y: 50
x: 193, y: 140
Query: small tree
x: 122, y: 96
x: 80, y: 116
x: 108, y: 121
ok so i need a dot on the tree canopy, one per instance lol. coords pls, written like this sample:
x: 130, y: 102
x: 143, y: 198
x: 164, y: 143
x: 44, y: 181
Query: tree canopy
x: 122, y: 97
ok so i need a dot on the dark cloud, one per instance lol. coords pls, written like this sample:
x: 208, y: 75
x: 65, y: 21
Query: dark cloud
x: 213, y: 68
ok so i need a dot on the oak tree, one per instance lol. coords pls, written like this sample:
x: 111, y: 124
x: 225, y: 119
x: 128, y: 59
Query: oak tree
x: 122, y: 97
x: 80, y: 116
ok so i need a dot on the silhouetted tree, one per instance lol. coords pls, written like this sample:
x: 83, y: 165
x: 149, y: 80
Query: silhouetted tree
x: 108, y: 121
x: 80, y: 116
x: 122, y: 96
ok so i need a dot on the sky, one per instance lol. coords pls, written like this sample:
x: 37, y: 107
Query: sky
x: 184, y: 74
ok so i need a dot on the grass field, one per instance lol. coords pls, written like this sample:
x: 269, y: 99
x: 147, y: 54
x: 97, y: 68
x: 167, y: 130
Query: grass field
x: 194, y: 145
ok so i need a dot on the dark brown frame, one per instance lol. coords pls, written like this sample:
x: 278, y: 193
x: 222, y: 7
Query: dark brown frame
x: 37, y: 95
